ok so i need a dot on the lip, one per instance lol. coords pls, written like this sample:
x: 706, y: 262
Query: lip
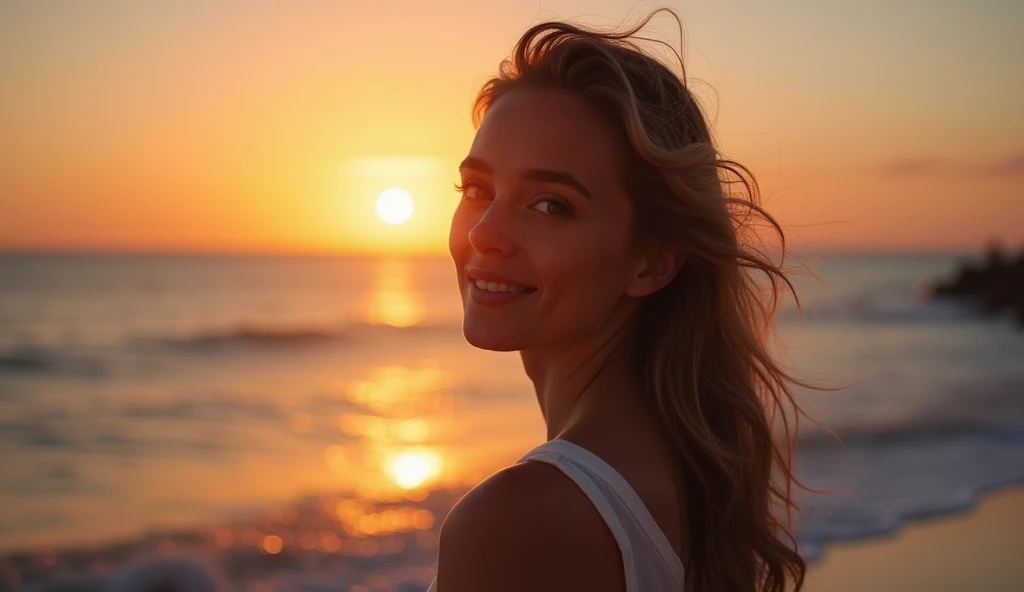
x: 475, y: 273
x: 485, y: 298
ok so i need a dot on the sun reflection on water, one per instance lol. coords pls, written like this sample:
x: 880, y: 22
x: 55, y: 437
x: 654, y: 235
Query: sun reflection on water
x: 412, y: 430
x: 400, y: 391
x: 400, y: 414
x: 413, y: 468
x: 393, y: 301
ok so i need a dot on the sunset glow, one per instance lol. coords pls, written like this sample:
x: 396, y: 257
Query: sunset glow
x: 280, y: 130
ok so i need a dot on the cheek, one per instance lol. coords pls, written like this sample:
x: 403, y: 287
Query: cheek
x: 585, y: 279
x: 458, y: 234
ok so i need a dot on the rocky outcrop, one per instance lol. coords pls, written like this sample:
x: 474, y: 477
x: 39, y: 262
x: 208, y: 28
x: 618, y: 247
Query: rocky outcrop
x: 996, y: 285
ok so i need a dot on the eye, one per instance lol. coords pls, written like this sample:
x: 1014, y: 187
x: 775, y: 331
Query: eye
x: 469, y: 190
x: 553, y: 207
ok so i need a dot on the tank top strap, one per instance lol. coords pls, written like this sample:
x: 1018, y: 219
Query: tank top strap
x: 650, y: 564
x: 614, y: 499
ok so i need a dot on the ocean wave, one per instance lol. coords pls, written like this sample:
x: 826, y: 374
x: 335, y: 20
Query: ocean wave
x: 285, y: 336
x: 871, y: 490
x: 34, y: 359
x: 254, y: 335
x: 101, y: 360
x: 850, y: 522
x: 917, y: 432
x: 869, y: 480
x: 22, y: 359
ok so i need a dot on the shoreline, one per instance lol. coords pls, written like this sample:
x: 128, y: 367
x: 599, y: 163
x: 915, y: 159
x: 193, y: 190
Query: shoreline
x: 980, y: 498
x: 976, y: 548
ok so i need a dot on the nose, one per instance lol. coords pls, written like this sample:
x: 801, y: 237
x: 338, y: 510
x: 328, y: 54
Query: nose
x: 493, y: 232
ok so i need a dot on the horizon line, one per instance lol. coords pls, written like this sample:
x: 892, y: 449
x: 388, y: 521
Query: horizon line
x: 313, y: 254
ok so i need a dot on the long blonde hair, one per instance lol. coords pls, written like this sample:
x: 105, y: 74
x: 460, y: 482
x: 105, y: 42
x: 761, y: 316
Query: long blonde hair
x: 702, y: 341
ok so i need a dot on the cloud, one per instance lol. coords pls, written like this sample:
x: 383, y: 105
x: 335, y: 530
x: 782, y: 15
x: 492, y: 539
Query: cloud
x: 1011, y: 166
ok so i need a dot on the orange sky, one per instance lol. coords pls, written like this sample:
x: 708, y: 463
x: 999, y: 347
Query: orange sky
x: 196, y: 126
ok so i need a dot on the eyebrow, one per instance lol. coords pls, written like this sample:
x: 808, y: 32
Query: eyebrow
x: 544, y: 175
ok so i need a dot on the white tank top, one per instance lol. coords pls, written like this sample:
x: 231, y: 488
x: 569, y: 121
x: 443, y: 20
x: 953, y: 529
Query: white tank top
x: 649, y: 561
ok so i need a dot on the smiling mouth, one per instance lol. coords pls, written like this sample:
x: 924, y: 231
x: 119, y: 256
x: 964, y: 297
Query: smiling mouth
x: 494, y: 283
x: 500, y: 287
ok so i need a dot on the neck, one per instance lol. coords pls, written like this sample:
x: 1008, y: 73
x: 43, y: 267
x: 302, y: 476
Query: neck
x: 572, y: 380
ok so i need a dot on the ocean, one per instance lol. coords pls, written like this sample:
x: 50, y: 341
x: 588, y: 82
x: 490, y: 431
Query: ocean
x: 304, y: 423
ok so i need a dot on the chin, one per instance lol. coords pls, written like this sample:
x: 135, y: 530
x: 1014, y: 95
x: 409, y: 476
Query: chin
x: 491, y: 339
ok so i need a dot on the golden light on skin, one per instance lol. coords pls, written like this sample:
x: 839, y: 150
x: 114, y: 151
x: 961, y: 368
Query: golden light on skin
x: 394, y: 205
x: 412, y: 468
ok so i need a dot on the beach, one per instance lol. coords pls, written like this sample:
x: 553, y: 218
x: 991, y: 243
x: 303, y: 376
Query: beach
x: 981, y: 549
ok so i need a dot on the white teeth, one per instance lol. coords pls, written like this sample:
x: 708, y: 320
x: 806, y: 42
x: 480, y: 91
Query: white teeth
x: 495, y: 287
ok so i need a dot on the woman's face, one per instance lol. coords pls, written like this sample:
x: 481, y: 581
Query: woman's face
x: 541, y: 237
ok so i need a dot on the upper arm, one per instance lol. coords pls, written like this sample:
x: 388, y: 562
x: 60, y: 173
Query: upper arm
x: 528, y: 527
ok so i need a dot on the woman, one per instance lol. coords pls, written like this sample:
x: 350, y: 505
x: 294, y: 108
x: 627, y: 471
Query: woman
x: 601, y: 236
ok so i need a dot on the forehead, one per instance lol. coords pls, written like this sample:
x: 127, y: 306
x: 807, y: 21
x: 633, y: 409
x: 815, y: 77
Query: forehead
x: 551, y: 129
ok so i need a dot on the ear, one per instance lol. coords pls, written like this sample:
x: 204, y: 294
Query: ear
x: 655, y: 268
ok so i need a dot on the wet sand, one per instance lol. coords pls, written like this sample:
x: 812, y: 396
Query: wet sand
x: 980, y: 550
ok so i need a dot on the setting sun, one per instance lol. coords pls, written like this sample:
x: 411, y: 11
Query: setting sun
x: 394, y: 205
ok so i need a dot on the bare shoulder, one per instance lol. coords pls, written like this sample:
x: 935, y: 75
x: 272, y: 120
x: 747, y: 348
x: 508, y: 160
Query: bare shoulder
x: 528, y: 527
